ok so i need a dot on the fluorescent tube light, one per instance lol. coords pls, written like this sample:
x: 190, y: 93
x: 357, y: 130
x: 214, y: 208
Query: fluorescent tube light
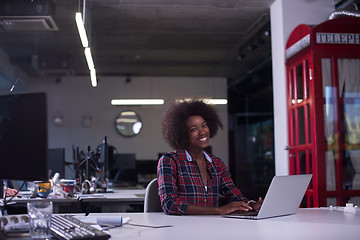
x: 85, y: 43
x: 93, y: 77
x: 207, y: 100
x: 137, y: 101
x: 89, y: 58
x: 125, y: 120
x: 128, y: 113
x: 216, y: 101
x: 81, y: 29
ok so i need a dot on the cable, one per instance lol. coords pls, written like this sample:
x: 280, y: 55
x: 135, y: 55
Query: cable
x: 149, y: 226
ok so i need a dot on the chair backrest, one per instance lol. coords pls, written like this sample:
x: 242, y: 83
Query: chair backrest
x: 152, y: 200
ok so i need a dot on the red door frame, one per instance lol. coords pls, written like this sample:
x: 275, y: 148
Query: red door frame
x: 308, y: 147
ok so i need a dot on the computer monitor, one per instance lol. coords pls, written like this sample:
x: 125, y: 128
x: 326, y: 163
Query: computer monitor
x: 23, y: 137
x: 56, y: 161
x: 122, y: 168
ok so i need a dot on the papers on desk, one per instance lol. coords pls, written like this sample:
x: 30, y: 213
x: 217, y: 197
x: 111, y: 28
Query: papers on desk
x: 104, y: 222
x: 25, y: 193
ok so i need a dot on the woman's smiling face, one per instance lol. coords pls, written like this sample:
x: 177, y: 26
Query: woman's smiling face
x: 198, y: 132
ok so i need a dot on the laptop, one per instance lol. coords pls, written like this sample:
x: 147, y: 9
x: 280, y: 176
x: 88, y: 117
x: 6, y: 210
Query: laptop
x: 282, y: 198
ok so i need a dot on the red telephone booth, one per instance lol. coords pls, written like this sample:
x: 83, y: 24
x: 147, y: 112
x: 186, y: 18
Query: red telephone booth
x: 323, y: 82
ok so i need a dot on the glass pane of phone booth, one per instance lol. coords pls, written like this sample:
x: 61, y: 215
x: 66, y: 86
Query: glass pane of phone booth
x: 342, y: 125
x: 330, y: 121
x: 301, y: 127
x: 299, y: 83
x: 349, y: 91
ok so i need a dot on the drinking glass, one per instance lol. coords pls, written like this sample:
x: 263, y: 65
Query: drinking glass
x: 40, y: 213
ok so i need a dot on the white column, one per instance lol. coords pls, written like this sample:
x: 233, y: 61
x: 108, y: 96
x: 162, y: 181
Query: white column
x: 285, y: 16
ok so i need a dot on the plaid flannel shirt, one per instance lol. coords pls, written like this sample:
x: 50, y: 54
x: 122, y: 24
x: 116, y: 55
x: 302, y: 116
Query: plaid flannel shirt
x: 180, y: 183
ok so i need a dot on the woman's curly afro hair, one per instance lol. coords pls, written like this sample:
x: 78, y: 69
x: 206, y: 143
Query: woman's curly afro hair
x: 173, y: 125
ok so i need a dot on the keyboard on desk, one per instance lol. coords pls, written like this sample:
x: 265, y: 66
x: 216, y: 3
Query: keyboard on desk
x: 68, y: 227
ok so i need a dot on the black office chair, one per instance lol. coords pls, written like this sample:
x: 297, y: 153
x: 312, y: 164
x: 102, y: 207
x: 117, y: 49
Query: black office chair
x: 152, y: 200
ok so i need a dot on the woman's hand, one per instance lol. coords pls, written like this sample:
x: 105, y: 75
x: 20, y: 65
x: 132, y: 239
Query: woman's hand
x: 241, y: 206
x: 255, y: 205
x: 9, y: 192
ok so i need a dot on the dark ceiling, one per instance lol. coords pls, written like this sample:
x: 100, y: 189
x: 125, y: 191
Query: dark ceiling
x: 207, y: 38
x: 143, y: 38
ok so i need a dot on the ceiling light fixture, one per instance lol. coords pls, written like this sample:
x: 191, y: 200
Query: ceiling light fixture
x: 125, y: 102
x: 81, y: 29
x: 267, y: 33
x: 252, y: 47
x: 89, y: 58
x: 84, y: 40
x: 93, y: 77
x: 218, y: 101
x: 241, y: 57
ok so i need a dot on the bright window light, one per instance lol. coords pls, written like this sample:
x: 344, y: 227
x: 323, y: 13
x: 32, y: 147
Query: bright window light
x: 81, y: 29
x: 137, y: 101
x: 137, y: 127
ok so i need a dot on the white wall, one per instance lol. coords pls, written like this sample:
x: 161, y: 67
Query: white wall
x: 285, y: 16
x: 74, y: 96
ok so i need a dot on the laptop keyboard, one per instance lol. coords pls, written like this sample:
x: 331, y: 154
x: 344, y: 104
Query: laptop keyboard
x: 250, y: 213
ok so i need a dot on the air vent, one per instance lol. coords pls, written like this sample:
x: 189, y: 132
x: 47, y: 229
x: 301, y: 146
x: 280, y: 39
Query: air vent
x: 52, y: 67
x: 28, y: 23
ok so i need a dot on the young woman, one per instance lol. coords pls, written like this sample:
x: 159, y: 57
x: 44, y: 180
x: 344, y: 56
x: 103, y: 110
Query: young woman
x: 192, y: 181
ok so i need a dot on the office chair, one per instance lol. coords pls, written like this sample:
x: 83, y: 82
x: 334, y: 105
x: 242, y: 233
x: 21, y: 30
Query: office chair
x: 152, y: 200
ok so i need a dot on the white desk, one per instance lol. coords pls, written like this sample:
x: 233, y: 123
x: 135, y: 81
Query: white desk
x: 307, y: 224
x: 118, y: 201
x: 126, y: 195
x: 57, y: 202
